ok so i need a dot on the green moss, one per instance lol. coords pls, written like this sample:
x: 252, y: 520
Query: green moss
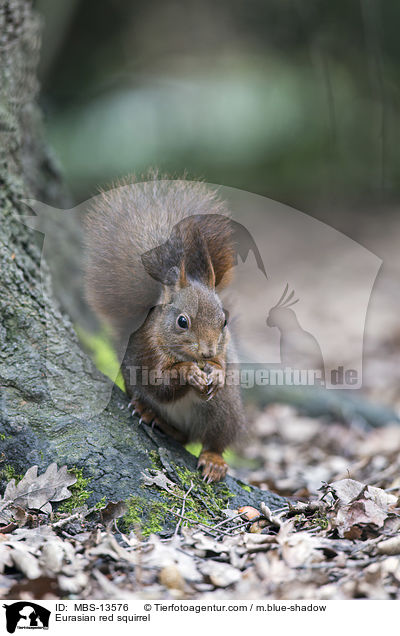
x: 194, y: 448
x: 320, y: 521
x: 155, y: 460
x: 149, y: 517
x: 101, y: 504
x: 8, y: 473
x: 103, y: 354
x: 79, y: 491
x: 244, y: 486
x: 203, y: 505
x: 134, y: 515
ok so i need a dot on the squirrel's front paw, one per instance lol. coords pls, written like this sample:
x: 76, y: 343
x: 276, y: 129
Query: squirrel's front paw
x: 213, y: 466
x: 197, y: 379
x: 215, y: 379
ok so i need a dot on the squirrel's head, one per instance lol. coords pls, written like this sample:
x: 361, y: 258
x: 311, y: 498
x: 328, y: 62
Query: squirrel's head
x: 191, y: 325
x: 190, y: 321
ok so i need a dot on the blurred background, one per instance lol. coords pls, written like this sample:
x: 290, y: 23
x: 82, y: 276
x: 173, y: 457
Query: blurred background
x: 296, y: 100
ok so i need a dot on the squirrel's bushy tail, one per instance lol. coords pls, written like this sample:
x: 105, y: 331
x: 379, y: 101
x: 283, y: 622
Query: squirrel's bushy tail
x: 133, y: 218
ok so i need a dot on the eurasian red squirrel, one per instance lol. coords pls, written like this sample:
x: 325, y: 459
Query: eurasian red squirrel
x: 162, y: 250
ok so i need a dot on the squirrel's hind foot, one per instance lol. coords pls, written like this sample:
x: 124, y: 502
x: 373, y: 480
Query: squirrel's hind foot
x: 144, y: 413
x: 213, y: 466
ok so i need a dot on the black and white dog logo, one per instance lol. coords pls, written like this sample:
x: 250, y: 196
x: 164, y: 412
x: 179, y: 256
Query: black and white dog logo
x: 26, y: 615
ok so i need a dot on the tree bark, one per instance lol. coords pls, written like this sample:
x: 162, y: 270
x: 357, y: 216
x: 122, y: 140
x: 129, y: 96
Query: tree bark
x: 37, y: 341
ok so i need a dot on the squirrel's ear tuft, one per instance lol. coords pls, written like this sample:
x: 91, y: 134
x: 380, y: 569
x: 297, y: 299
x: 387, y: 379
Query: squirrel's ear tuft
x: 197, y: 260
x: 161, y: 262
x: 183, y: 282
x: 212, y: 238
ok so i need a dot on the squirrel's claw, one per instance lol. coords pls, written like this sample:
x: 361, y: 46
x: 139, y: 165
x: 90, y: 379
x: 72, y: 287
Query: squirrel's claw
x: 131, y: 405
x: 211, y: 392
x: 146, y: 415
x: 215, y: 379
x: 213, y: 466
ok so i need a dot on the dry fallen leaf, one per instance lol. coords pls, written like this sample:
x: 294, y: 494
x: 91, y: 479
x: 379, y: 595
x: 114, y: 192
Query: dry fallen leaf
x: 171, y: 578
x: 5, y: 557
x: 347, y: 490
x: 389, y: 546
x: 110, y: 547
x: 300, y: 549
x: 36, y: 492
x: 113, y: 510
x: 359, y: 506
x: 220, y: 574
x: 161, y: 555
x: 160, y: 479
x: 52, y: 556
x: 26, y: 563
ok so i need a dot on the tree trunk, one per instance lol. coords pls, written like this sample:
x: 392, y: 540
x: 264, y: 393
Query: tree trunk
x: 38, y: 343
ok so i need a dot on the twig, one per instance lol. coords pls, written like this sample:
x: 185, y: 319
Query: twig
x: 63, y: 522
x: 221, y: 523
x: 5, y: 504
x: 185, y: 496
x: 240, y: 514
x: 349, y: 564
x: 207, y: 529
x: 239, y: 526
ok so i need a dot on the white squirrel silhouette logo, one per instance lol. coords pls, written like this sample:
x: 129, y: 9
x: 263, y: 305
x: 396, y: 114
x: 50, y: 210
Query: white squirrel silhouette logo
x: 299, y: 349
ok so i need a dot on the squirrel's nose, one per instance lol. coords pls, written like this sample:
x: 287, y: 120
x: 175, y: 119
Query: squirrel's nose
x: 207, y: 351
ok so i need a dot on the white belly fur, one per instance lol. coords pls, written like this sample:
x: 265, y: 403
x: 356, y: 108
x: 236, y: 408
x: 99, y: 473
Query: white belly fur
x: 180, y: 412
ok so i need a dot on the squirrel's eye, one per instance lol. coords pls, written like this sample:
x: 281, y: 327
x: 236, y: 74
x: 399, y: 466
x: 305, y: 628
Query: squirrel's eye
x: 182, y: 321
x: 226, y: 318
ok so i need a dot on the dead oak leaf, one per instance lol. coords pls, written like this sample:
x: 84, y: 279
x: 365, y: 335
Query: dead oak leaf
x: 219, y: 574
x: 159, y: 479
x: 35, y: 491
x: 298, y: 548
x: 113, y: 510
x: 347, y: 490
x: 358, y: 505
x: 359, y: 513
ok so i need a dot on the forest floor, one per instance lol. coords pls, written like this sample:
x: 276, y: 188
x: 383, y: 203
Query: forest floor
x: 337, y: 539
